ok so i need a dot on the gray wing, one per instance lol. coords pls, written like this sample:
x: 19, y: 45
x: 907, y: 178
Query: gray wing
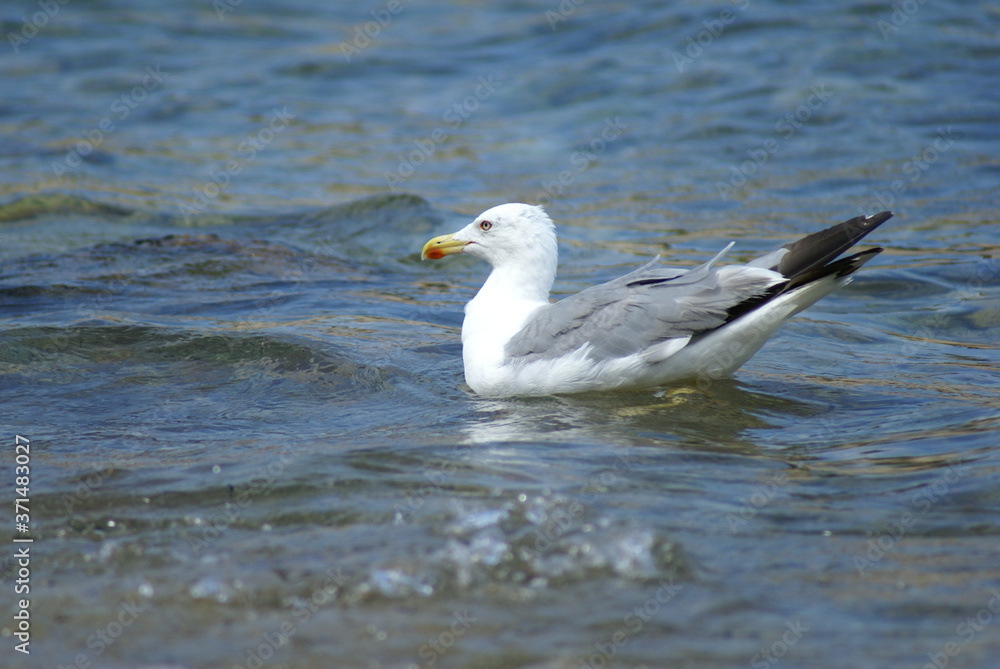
x: 654, y: 304
x: 632, y: 313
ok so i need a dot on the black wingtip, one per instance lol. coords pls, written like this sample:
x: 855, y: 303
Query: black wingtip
x: 816, y: 250
x: 871, y: 221
x: 839, y: 268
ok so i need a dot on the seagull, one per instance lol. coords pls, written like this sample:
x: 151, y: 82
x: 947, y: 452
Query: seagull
x: 651, y: 327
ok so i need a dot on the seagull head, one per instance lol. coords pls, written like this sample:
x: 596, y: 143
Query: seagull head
x: 508, y: 235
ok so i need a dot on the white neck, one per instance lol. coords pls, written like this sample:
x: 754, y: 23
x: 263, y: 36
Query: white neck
x: 527, y: 281
x: 505, y: 301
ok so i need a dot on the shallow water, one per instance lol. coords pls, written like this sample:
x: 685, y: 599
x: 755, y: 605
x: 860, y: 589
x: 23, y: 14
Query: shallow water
x: 250, y: 440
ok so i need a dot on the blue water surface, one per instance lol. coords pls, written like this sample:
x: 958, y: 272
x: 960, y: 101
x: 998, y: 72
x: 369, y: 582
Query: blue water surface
x: 250, y: 440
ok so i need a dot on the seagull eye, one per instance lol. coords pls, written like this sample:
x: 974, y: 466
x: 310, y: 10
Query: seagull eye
x: 485, y: 226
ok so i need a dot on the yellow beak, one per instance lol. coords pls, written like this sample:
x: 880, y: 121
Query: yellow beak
x: 442, y: 246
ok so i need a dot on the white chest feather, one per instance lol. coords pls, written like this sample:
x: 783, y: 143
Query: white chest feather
x: 489, y: 324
